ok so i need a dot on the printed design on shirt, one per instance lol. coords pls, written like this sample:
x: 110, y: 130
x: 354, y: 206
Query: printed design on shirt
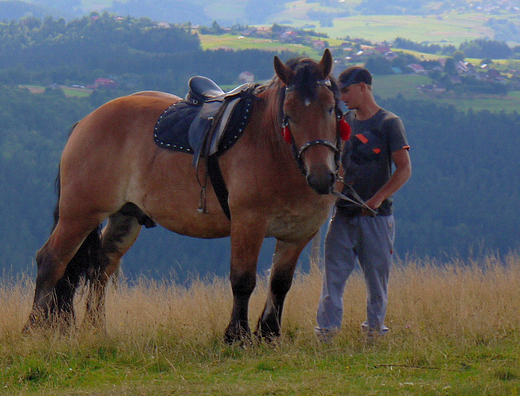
x: 366, y: 147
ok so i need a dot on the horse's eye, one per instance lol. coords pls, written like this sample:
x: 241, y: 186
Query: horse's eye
x: 331, y: 109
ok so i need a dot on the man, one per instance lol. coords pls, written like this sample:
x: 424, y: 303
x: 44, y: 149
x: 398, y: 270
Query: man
x: 378, y: 139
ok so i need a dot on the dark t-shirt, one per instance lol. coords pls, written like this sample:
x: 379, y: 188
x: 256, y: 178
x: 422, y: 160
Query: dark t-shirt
x: 367, y: 157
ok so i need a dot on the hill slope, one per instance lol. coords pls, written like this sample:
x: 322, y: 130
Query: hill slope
x: 449, y: 21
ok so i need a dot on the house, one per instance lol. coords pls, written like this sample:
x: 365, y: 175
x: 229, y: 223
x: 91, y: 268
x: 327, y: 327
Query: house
x: 461, y: 67
x: 249, y: 32
x: 319, y: 45
x: 103, y: 83
x: 289, y: 35
x: 493, y: 74
x: 433, y: 88
x: 390, y: 56
x: 383, y: 49
x: 417, y: 69
x: 246, y: 77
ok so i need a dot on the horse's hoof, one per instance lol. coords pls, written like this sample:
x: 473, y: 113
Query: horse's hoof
x: 267, y: 337
x: 37, y: 321
x: 237, y: 334
x: 266, y: 333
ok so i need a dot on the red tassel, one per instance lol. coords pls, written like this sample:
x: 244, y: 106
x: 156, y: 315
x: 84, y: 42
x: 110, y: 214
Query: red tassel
x: 344, y: 129
x: 286, y: 133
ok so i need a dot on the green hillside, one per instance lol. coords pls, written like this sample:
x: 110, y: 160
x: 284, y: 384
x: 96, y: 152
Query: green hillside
x: 449, y: 21
x: 407, y: 86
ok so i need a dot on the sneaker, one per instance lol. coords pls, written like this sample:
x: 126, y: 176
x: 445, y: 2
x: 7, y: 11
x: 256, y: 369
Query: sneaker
x: 325, y: 336
x: 382, y: 332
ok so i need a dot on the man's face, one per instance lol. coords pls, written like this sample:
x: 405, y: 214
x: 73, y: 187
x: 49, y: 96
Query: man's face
x: 351, y: 96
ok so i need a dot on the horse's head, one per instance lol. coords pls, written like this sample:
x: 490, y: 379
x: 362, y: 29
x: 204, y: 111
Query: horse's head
x: 311, y: 118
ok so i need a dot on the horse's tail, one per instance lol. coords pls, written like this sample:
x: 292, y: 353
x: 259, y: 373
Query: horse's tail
x: 85, y: 264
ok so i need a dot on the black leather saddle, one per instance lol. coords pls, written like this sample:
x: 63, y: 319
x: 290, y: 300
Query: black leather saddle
x: 208, y: 120
x: 203, y: 89
x: 206, y: 124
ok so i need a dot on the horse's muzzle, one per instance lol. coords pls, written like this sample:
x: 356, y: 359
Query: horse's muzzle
x: 321, y: 179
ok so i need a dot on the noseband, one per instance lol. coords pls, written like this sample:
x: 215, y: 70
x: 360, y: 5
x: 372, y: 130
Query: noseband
x: 335, y: 147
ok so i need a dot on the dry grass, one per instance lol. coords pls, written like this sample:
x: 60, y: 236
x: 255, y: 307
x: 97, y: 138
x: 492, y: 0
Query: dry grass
x: 466, y: 300
x: 453, y: 326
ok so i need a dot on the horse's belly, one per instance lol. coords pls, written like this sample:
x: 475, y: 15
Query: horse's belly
x: 297, y: 226
x: 200, y: 226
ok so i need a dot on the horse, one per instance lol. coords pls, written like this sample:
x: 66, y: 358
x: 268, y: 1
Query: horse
x: 279, y: 175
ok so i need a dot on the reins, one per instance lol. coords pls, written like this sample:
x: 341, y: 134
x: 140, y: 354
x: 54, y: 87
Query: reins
x: 354, y: 198
x: 342, y: 133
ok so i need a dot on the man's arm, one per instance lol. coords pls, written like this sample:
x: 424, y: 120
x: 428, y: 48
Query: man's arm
x: 403, y: 171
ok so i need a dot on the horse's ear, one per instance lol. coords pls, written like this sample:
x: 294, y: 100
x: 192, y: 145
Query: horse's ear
x: 283, y: 71
x: 326, y: 63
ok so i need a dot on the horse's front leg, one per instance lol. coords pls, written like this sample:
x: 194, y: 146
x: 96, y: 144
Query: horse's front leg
x: 284, y: 263
x: 246, y: 242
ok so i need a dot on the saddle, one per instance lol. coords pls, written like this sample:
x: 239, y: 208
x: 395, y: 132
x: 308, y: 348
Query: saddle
x: 207, y: 123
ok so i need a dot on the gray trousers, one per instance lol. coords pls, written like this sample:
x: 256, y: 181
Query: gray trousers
x: 368, y: 240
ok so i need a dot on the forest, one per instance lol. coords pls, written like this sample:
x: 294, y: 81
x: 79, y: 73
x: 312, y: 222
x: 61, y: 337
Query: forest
x: 136, y: 50
x: 461, y: 200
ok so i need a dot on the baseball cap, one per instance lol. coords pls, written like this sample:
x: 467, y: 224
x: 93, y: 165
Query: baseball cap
x: 354, y: 75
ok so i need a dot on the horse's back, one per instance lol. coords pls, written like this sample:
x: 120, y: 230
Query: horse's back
x: 158, y: 95
x: 107, y: 149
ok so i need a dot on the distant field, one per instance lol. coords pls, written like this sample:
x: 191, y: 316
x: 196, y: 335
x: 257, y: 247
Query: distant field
x: 448, y: 29
x: 406, y: 85
x: 239, y: 42
x: 68, y: 91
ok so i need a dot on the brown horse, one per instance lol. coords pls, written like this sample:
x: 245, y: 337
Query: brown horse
x: 112, y: 170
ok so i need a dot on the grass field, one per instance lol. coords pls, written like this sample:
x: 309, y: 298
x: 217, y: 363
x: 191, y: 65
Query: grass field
x: 406, y: 85
x: 455, y: 330
x: 239, y: 42
x: 451, y: 28
x: 68, y: 91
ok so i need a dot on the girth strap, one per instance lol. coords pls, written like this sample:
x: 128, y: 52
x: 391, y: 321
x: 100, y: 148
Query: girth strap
x: 219, y: 186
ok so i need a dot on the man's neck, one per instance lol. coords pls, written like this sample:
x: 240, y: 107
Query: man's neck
x: 367, y: 112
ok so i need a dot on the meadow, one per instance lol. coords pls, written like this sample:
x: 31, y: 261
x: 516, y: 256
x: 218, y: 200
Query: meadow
x: 450, y: 28
x: 390, y: 86
x: 454, y: 331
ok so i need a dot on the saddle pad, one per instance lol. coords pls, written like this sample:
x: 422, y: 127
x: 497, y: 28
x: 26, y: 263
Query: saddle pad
x: 173, y: 127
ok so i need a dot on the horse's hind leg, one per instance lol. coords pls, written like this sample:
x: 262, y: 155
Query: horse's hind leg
x: 284, y: 263
x: 55, y: 284
x: 86, y: 259
x: 117, y: 237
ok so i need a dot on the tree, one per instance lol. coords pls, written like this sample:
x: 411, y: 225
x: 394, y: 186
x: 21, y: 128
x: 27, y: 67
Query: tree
x: 449, y: 66
x: 459, y: 56
x: 378, y: 65
x: 486, y: 49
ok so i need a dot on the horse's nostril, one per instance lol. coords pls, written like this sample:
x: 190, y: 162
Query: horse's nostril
x: 322, y: 184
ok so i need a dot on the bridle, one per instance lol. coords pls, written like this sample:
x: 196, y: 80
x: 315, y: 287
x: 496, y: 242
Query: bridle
x: 342, y: 130
x: 342, y: 134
